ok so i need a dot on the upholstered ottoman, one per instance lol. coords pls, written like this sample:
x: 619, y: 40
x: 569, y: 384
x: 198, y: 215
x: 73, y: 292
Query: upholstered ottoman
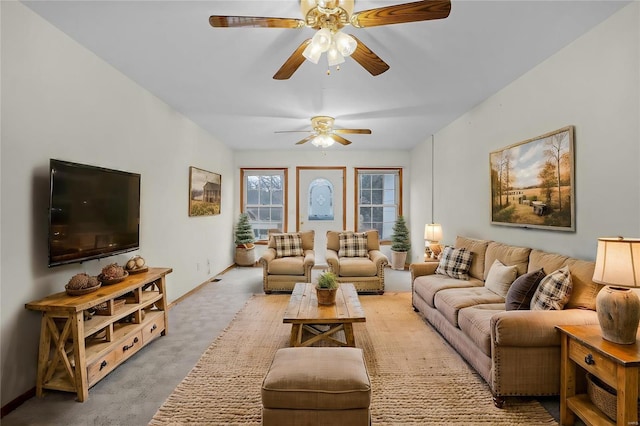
x: 316, y: 386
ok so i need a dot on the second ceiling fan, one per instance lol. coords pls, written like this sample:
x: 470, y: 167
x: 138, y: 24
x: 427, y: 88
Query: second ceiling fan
x: 329, y: 17
x: 323, y: 134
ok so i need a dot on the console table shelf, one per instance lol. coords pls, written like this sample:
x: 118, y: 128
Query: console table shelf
x: 78, y: 348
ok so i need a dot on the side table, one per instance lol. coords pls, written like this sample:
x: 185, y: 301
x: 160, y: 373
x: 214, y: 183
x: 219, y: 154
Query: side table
x: 614, y: 364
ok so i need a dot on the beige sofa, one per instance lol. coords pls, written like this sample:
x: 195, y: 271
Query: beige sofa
x: 282, y: 273
x: 366, y: 273
x: 516, y: 352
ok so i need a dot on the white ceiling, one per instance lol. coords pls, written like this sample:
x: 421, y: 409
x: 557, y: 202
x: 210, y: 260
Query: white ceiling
x: 221, y: 78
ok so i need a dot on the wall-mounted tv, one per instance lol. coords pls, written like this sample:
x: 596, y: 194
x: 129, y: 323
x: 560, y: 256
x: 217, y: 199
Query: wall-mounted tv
x: 94, y: 212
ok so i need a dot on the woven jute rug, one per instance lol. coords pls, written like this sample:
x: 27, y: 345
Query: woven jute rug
x: 417, y: 378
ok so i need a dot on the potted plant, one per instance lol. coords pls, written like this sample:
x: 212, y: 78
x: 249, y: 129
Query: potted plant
x: 326, y: 288
x: 245, y: 255
x: 400, y: 244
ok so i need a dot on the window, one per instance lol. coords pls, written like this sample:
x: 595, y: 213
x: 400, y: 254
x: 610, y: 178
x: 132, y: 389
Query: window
x: 264, y: 199
x: 379, y: 200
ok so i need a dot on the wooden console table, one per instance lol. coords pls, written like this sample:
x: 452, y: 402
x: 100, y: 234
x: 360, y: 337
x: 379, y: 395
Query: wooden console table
x: 616, y: 365
x: 77, y: 349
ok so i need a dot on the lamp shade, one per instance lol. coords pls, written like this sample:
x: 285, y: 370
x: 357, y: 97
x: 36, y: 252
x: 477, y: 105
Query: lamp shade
x: 618, y: 262
x: 433, y: 232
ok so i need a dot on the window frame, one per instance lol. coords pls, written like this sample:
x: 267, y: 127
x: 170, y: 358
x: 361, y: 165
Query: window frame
x: 396, y: 171
x: 252, y: 171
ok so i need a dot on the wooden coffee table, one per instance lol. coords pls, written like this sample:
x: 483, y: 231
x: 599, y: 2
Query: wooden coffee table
x: 304, y: 313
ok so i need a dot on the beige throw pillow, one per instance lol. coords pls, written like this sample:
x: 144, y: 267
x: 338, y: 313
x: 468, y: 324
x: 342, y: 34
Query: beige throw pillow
x: 500, y: 278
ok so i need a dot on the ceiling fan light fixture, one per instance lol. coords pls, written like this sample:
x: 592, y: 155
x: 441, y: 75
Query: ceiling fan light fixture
x: 312, y: 53
x: 322, y: 141
x: 334, y: 57
x: 345, y: 44
x: 322, y: 39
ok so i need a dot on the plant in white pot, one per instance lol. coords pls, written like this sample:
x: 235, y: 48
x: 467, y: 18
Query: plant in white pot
x: 401, y: 244
x: 245, y: 255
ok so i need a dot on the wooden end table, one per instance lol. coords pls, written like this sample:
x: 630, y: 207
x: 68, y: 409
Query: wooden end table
x: 303, y: 312
x: 616, y: 365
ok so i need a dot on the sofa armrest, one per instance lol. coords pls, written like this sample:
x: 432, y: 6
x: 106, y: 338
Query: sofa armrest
x: 267, y: 257
x: 420, y: 269
x: 331, y: 256
x: 535, y: 328
x: 378, y: 258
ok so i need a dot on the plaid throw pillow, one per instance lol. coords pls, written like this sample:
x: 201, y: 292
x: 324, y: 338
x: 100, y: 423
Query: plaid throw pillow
x: 455, y: 263
x: 353, y: 244
x: 288, y: 245
x: 553, y: 292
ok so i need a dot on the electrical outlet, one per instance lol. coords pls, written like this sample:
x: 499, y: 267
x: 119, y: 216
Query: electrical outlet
x: 208, y: 267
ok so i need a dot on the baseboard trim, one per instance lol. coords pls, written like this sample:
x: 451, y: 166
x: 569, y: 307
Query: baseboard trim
x: 199, y: 287
x: 12, y: 405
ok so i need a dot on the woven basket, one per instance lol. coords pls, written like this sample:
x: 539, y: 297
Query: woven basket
x: 603, y: 396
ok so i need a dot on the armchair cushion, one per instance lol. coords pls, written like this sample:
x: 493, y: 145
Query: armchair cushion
x: 353, y: 244
x: 290, y: 265
x: 288, y: 245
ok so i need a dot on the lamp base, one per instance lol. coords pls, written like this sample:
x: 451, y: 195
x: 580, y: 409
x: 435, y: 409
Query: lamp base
x: 618, y: 313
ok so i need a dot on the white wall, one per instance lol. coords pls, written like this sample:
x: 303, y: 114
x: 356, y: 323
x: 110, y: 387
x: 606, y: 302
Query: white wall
x: 333, y: 156
x: 592, y: 84
x: 61, y: 101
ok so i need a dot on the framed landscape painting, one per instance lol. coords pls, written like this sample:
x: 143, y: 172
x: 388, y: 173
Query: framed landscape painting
x: 204, y: 192
x: 532, y: 183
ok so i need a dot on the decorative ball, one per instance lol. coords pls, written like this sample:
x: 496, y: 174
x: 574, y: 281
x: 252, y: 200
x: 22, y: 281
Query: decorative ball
x: 79, y: 281
x: 136, y: 262
x: 112, y: 272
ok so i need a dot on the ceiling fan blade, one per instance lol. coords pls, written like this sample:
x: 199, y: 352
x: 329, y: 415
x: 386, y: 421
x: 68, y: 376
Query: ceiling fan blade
x: 340, y: 139
x: 356, y: 131
x: 293, y: 63
x: 254, y: 21
x: 293, y: 131
x: 397, y: 14
x: 369, y: 60
x: 305, y: 140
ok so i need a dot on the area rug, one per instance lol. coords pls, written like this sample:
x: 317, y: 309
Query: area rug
x: 417, y: 378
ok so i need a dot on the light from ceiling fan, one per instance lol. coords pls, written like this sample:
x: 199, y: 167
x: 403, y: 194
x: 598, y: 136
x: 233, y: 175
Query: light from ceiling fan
x: 322, y: 141
x: 337, y: 45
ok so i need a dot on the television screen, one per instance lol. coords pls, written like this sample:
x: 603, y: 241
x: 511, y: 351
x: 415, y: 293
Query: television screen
x: 93, y: 212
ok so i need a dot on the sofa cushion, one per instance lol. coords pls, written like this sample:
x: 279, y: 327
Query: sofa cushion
x: 353, y: 244
x: 426, y: 286
x: 289, y: 244
x: 450, y: 301
x: 583, y: 289
x: 521, y: 291
x: 455, y: 263
x: 289, y: 265
x: 508, y: 255
x: 500, y: 278
x: 554, y: 291
x: 478, y: 248
x: 357, y: 267
x: 475, y: 322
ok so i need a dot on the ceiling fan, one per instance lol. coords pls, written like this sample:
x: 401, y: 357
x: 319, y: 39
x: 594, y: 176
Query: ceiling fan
x: 329, y: 17
x: 323, y: 134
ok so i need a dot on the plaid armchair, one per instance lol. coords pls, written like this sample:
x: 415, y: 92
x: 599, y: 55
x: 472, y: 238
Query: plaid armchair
x: 288, y: 260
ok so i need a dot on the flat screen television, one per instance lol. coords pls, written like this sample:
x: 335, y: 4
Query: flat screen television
x: 94, y: 212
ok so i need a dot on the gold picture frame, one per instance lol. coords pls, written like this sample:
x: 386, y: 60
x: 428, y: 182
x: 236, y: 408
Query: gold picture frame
x: 532, y: 182
x: 204, y: 192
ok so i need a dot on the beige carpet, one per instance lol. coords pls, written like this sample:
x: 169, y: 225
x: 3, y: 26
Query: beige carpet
x: 417, y: 379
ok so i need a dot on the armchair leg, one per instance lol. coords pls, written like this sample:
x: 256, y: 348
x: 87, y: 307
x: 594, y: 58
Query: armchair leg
x: 498, y: 401
x: 267, y: 292
x: 380, y: 292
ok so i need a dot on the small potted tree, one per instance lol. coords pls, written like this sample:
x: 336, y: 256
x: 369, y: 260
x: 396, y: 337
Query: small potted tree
x: 326, y: 288
x: 245, y: 255
x: 401, y: 244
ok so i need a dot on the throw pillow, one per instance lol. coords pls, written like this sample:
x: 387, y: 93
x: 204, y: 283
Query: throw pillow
x: 553, y: 292
x: 500, y: 278
x: 521, y: 291
x: 353, y: 244
x: 288, y: 245
x: 455, y: 263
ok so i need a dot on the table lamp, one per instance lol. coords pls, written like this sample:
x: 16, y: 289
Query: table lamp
x: 618, y: 307
x: 432, y: 236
